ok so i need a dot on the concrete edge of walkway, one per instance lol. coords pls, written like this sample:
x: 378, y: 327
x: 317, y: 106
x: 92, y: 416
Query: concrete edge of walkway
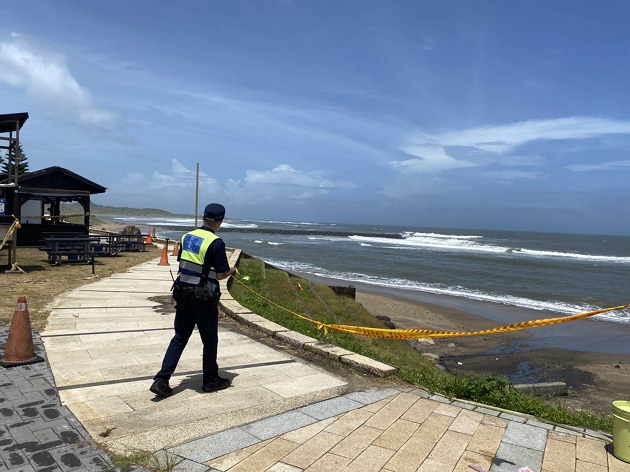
x: 233, y: 309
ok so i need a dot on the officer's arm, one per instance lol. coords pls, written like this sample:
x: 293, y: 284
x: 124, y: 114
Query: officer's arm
x: 225, y: 275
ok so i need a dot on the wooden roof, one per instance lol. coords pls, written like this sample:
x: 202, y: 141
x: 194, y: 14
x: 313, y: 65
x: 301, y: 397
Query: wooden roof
x: 7, y: 121
x: 58, y: 178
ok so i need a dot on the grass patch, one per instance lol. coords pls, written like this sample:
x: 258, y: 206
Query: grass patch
x: 320, y: 303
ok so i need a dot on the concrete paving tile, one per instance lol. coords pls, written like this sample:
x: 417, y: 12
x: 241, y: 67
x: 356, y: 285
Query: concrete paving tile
x: 298, y: 369
x: 473, y: 458
x: 353, y: 444
x: 434, y: 427
x: 466, y: 422
x: 65, y: 377
x: 396, y: 435
x: 486, y: 440
x: 309, y: 452
x: 213, y: 446
x: 525, y: 435
x: 269, y: 327
x: 278, y: 425
x: 420, y: 411
x: 349, y: 422
x: 410, y: 455
x: 495, y: 421
x: 511, y: 417
x: 582, y: 466
x: 370, y: 397
x: 419, y: 392
x: 186, y: 465
x: 329, y: 350
x: 441, y: 399
x: 430, y: 465
x: 371, y: 460
x: 282, y: 467
x: 100, y: 408
x: 226, y: 461
x: 368, y: 365
x: 259, y: 376
x: 167, y: 414
x: 463, y: 405
x: 329, y: 463
x: 510, y: 458
x: 588, y: 450
x: 307, y: 384
x: 539, y: 424
x: 295, y: 338
x: 450, y: 447
x: 487, y: 411
x: 386, y: 416
x: 180, y: 432
x: 448, y: 410
x: 62, y: 343
x: 302, y: 435
x: 559, y: 456
x: 559, y: 436
x: 377, y: 405
x: 265, y: 457
x: 331, y: 407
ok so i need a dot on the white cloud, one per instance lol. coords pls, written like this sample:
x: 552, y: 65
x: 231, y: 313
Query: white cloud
x: 178, y: 186
x: 285, y: 175
x: 494, y: 144
x: 508, y: 175
x: 504, y: 138
x: 430, y: 159
x: 613, y: 165
x: 180, y: 178
x: 47, y: 79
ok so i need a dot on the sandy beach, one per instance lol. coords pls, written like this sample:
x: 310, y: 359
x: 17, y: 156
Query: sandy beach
x: 595, y: 379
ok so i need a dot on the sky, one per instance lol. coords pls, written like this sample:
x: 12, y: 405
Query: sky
x: 453, y: 114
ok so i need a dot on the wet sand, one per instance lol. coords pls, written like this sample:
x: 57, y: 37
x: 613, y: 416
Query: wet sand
x: 595, y: 379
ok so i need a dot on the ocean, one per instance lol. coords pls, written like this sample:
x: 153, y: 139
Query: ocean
x: 557, y: 274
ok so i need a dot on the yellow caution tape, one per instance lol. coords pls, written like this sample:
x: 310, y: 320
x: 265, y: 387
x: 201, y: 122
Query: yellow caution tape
x: 16, y: 225
x: 430, y: 333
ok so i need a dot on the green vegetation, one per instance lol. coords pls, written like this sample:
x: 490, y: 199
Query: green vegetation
x: 104, y: 210
x: 320, y: 303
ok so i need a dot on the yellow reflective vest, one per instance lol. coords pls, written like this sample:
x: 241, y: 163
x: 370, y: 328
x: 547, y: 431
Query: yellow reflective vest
x: 194, y: 248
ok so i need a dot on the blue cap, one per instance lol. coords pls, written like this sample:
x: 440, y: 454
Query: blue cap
x: 214, y: 212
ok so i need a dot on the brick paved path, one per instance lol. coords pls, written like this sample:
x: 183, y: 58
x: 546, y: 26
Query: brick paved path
x: 37, y: 433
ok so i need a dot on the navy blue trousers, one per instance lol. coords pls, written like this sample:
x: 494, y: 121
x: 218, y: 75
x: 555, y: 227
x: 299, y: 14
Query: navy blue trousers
x: 206, y: 317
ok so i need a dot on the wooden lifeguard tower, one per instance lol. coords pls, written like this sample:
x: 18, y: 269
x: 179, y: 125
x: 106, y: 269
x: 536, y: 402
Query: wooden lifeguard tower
x: 10, y: 126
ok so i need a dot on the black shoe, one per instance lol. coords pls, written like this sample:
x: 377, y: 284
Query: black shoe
x: 161, y: 388
x: 216, y: 384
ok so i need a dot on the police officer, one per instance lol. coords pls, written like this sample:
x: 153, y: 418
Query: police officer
x: 202, y: 262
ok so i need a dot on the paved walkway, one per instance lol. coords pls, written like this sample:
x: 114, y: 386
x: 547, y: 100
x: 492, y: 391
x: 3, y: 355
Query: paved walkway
x: 105, y: 341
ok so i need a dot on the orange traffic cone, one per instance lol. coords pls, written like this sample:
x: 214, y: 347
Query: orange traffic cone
x: 175, y: 249
x: 19, y: 349
x: 149, y: 239
x: 164, y: 258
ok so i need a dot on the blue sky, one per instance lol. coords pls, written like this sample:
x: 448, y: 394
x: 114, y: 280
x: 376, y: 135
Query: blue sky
x: 460, y: 114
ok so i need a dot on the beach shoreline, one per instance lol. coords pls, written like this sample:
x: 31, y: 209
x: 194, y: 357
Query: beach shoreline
x: 594, y: 379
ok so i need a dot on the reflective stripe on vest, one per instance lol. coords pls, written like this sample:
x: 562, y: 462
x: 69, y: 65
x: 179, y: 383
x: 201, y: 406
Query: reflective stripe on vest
x: 194, y: 247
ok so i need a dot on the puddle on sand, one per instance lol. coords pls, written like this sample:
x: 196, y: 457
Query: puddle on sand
x: 526, y: 374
